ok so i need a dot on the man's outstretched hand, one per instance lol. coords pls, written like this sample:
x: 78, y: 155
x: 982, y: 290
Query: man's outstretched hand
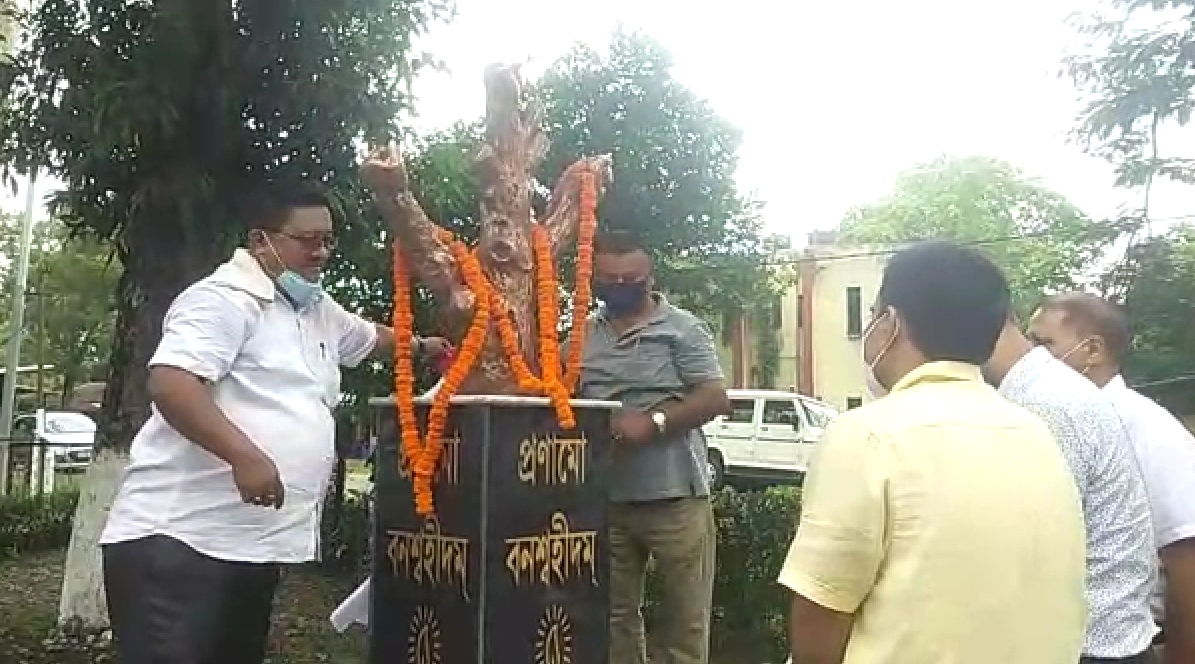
x: 384, y: 172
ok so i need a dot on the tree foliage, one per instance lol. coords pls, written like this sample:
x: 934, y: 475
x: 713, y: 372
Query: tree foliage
x: 70, y: 298
x: 1161, y: 304
x: 70, y: 301
x: 1136, y: 75
x: 164, y: 117
x: 1042, y: 241
x: 674, y: 166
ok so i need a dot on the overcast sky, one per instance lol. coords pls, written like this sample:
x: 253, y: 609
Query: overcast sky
x: 833, y: 99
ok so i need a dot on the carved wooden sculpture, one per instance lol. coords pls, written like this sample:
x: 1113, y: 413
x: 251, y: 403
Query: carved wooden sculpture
x: 514, y: 147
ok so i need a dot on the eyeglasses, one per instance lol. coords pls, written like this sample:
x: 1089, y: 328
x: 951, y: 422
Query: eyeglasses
x: 313, y: 241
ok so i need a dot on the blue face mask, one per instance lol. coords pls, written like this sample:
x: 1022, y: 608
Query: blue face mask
x: 301, y: 292
x: 621, y: 298
x: 294, y: 287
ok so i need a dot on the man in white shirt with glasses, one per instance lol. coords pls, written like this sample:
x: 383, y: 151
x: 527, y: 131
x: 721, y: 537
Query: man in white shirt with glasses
x: 227, y: 476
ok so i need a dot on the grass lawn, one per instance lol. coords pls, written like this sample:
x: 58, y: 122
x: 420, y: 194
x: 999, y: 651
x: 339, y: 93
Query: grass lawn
x: 301, y: 634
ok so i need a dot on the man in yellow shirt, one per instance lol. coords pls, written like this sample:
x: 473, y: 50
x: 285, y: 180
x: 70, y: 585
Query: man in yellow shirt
x: 941, y: 523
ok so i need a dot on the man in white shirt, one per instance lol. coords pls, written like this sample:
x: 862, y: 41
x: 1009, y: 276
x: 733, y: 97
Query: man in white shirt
x: 227, y: 476
x: 1092, y: 336
x: 1121, y: 556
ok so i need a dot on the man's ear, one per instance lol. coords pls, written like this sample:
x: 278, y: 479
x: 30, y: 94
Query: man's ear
x: 1099, y: 349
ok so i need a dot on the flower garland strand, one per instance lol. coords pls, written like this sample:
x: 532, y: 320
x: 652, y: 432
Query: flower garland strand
x: 510, y: 345
x: 404, y: 379
x: 548, y: 312
x: 423, y: 455
x: 582, y: 293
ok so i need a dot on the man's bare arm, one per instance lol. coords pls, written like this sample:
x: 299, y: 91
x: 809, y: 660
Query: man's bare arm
x: 185, y: 402
x: 1178, y: 559
x: 384, y: 346
x: 817, y: 635
x: 702, y: 403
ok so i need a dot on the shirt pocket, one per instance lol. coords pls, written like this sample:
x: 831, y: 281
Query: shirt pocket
x: 649, y: 360
x: 321, y: 354
x: 327, y: 372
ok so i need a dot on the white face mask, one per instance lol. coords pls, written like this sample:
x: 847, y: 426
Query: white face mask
x: 874, y: 386
x: 1070, y: 352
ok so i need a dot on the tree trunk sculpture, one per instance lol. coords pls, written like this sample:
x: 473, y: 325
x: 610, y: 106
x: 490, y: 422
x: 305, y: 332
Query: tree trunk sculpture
x: 514, y: 147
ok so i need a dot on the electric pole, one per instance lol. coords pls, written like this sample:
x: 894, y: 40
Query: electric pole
x: 16, y: 324
x: 40, y: 352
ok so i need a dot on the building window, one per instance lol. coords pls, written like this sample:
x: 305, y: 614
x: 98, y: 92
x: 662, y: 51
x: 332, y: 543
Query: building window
x: 853, y: 402
x: 741, y: 411
x: 854, y: 312
x: 800, y: 311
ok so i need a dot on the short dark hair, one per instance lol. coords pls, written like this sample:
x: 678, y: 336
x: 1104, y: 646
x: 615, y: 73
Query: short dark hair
x: 268, y: 207
x: 1094, y: 316
x: 618, y: 243
x: 952, y: 299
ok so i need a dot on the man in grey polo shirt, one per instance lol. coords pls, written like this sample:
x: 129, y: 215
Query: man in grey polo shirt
x: 660, y: 362
x: 1121, y: 563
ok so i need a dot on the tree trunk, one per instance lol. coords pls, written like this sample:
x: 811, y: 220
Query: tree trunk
x: 160, y: 262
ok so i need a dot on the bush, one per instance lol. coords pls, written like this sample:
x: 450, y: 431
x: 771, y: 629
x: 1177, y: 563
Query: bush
x: 345, y: 535
x: 36, y: 523
x: 750, y: 617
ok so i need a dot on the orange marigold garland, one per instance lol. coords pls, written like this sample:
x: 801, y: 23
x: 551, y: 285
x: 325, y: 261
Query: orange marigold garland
x: 582, y: 293
x: 404, y: 379
x: 423, y: 456
x: 548, y: 312
x: 510, y: 345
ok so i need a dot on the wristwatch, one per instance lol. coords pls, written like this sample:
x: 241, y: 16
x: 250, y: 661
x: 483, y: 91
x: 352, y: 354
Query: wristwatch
x: 661, y: 421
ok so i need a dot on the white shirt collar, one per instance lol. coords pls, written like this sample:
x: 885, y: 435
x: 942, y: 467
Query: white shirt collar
x: 1117, y: 383
x: 243, y: 272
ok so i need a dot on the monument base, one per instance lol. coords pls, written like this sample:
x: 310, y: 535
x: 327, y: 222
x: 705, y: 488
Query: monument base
x: 513, y: 566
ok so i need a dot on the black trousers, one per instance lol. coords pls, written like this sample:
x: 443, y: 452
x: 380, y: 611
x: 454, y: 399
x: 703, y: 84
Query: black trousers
x: 169, y: 604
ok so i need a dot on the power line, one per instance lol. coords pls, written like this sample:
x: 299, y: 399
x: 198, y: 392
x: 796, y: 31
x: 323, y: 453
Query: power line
x: 866, y: 253
x: 1181, y: 378
x: 889, y: 250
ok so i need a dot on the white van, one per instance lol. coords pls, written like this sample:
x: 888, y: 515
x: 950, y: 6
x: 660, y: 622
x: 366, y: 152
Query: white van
x: 68, y: 436
x: 769, y: 434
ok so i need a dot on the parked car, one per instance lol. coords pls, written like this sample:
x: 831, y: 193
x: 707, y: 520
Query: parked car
x: 69, y: 436
x: 769, y: 434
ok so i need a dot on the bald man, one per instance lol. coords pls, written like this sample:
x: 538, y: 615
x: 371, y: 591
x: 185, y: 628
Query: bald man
x: 1092, y: 336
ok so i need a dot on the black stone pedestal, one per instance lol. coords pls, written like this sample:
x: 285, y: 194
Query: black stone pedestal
x: 513, y: 568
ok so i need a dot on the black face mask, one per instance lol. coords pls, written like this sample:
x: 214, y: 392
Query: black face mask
x: 621, y: 298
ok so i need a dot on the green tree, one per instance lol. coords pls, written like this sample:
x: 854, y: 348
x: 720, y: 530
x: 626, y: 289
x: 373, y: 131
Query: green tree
x: 1136, y: 74
x: 163, y: 118
x: 69, y: 304
x: 1161, y: 305
x: 1137, y: 78
x: 70, y: 300
x: 1042, y: 241
x: 74, y: 306
x: 674, y: 166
